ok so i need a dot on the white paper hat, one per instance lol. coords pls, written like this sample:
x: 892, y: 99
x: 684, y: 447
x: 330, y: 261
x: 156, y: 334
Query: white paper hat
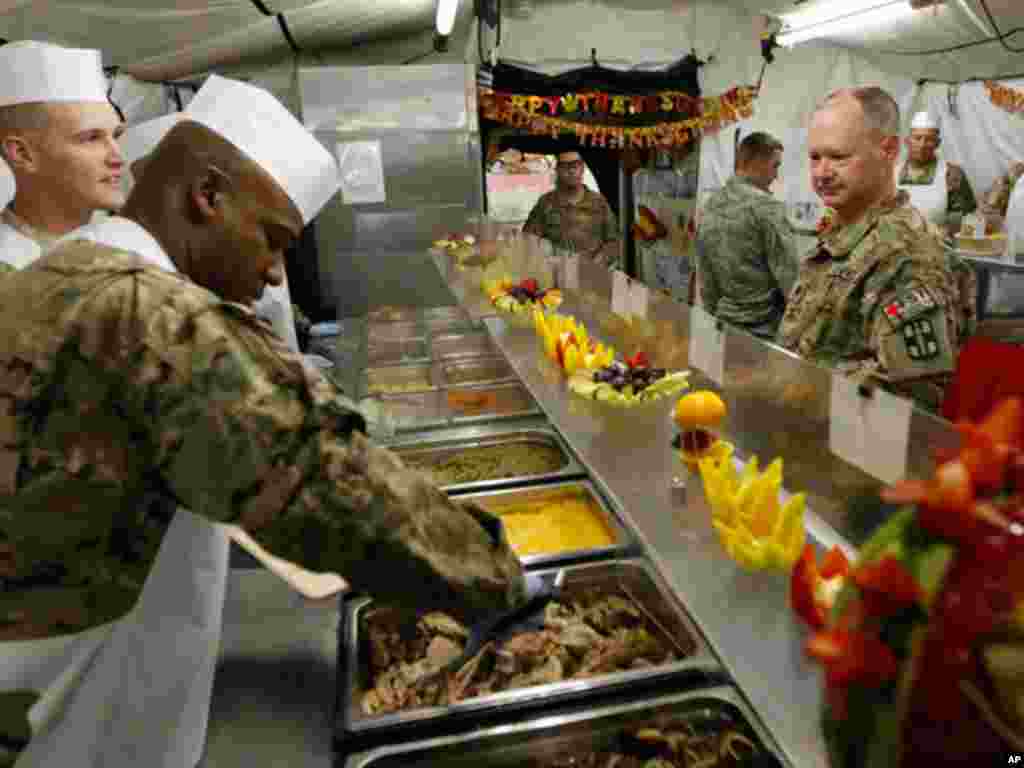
x: 257, y: 124
x: 141, y: 139
x: 32, y: 71
x: 924, y: 120
x: 7, y: 184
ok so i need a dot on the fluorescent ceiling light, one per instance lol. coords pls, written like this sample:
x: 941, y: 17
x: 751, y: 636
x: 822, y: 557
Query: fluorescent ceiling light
x: 839, y: 16
x: 446, y: 16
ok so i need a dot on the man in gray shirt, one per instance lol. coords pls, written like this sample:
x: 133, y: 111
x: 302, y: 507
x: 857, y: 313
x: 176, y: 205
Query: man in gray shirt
x: 746, y: 254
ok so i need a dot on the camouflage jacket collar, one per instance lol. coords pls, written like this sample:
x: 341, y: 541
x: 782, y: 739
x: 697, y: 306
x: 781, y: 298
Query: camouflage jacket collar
x: 839, y: 241
x: 125, y: 235
x: 747, y: 186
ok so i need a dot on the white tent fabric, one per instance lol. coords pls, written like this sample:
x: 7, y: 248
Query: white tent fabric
x: 985, y: 139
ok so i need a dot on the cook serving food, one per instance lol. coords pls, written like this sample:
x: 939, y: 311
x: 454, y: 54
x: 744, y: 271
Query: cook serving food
x: 134, y: 378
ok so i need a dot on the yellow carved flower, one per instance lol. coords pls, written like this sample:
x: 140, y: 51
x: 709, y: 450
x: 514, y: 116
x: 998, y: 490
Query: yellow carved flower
x: 754, y: 528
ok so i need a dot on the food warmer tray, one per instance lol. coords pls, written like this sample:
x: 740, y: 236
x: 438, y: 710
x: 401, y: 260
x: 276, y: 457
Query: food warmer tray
x: 698, y: 667
x: 554, y: 735
x: 624, y: 541
x: 444, y: 346
x: 450, y: 373
x: 440, y: 445
x: 457, y: 406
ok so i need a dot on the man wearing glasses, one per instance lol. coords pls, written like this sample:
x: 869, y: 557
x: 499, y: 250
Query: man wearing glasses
x: 573, y: 217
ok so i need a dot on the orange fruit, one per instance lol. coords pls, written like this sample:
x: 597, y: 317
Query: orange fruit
x: 702, y: 408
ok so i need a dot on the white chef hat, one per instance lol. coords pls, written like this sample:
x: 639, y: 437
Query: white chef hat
x: 257, y: 124
x: 31, y: 71
x: 7, y: 184
x: 924, y: 121
x: 140, y: 139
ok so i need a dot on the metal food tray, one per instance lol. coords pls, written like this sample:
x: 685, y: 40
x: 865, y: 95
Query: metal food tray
x: 471, y: 403
x: 468, y: 344
x: 438, y: 448
x: 463, y: 405
x: 391, y: 314
x: 553, y: 735
x: 423, y: 376
x: 438, y: 319
x: 640, y: 579
x: 624, y: 541
x: 377, y: 332
x: 385, y: 351
x: 475, y: 370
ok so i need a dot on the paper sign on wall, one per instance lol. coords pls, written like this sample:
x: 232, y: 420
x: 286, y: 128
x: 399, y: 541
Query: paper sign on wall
x: 362, y: 172
x: 869, y: 431
x: 621, y: 298
x: 638, y: 296
x: 707, y: 345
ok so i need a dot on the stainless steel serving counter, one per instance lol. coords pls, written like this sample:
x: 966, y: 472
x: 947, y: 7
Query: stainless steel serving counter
x: 746, y: 617
x: 274, y: 686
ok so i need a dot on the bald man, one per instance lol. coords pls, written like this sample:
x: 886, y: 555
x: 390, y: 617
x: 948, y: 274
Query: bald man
x: 877, y: 299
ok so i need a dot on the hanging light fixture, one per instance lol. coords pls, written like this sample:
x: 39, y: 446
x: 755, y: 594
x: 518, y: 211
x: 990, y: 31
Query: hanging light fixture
x: 446, y: 11
x: 840, y: 16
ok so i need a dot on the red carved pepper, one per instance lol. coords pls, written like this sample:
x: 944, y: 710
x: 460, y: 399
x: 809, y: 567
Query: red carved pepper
x: 850, y: 655
x: 886, y: 585
x: 811, y: 592
x: 639, y: 360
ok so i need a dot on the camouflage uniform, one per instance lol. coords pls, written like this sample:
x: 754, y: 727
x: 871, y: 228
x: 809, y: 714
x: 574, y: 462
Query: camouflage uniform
x: 586, y: 226
x: 879, y: 300
x: 125, y: 390
x: 997, y: 199
x: 960, y: 200
x: 747, y: 259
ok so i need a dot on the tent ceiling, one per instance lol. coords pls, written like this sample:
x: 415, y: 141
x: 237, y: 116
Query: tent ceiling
x: 158, y: 40
x: 954, y: 23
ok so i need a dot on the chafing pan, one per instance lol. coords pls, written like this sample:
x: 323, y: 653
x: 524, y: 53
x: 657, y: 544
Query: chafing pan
x: 475, y: 403
x: 576, y: 732
x: 468, y: 344
x: 399, y: 379
x: 623, y: 541
x: 475, y: 370
x: 434, y: 450
x: 696, y: 666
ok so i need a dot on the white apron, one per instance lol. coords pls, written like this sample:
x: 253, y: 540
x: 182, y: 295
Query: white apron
x: 137, y: 691
x: 931, y: 199
x: 15, y: 248
x: 275, y: 306
x: 1015, y: 223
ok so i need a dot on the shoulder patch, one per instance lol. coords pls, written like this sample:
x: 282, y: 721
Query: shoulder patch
x: 920, y: 339
x: 908, y: 306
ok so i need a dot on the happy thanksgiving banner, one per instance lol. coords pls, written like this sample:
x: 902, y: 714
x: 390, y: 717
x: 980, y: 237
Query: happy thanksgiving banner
x: 617, y: 121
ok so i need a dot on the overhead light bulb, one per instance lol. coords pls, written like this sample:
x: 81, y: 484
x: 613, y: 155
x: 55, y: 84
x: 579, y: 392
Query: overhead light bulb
x: 446, y: 16
x: 839, y: 17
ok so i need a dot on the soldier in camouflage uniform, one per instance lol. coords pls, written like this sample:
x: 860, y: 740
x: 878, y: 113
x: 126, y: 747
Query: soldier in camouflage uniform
x: 573, y: 217
x: 997, y: 199
x: 134, y: 377
x: 877, y: 299
x: 746, y: 259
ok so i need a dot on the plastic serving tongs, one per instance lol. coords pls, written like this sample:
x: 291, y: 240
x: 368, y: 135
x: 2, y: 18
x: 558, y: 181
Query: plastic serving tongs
x: 541, y: 589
